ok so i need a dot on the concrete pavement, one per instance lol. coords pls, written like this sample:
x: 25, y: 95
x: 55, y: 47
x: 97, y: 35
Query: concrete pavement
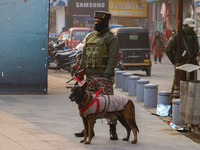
x: 48, y: 122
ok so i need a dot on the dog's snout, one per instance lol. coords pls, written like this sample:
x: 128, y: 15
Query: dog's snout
x: 71, y: 98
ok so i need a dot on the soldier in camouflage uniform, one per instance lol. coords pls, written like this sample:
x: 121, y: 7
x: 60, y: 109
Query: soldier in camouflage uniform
x: 191, y: 41
x: 100, y: 57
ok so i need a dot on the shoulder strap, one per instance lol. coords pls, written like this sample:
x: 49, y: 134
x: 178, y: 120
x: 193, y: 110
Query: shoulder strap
x: 186, y: 46
x: 105, y: 36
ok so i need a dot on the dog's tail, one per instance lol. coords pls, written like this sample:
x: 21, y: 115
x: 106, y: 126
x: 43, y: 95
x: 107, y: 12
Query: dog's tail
x: 133, y: 110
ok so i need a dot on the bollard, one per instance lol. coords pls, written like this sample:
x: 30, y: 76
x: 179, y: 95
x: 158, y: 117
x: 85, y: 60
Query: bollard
x: 125, y: 81
x: 150, y: 95
x: 132, y: 85
x: 163, y: 98
x: 175, y: 112
x: 116, y: 69
x: 140, y: 90
x: 118, y: 81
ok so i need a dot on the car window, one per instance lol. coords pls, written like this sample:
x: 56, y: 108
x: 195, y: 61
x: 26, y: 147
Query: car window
x: 133, y: 40
x: 66, y: 36
x: 79, y: 35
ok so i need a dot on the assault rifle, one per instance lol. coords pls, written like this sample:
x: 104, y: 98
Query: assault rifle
x: 187, y: 53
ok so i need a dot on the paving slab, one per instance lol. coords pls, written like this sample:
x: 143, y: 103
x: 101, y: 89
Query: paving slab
x: 48, y: 122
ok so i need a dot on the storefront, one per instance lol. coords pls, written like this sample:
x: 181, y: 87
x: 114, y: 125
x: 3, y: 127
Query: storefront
x: 81, y: 12
x: 197, y: 15
x: 131, y: 13
x: 57, y: 15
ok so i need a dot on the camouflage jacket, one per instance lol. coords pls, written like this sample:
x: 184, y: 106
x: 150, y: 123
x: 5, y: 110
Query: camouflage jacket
x: 112, y: 48
x: 191, y: 41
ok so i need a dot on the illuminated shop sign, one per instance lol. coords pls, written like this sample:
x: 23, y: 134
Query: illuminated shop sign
x: 86, y: 8
x: 90, y: 5
x: 128, y: 8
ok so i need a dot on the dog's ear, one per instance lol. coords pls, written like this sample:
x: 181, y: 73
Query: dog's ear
x: 84, y: 86
x: 76, y: 83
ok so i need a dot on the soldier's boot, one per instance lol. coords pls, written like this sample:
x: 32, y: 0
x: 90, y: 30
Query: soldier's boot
x: 113, y: 133
x: 81, y: 134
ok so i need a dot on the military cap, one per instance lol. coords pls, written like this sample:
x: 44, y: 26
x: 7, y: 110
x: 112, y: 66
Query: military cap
x: 103, y: 15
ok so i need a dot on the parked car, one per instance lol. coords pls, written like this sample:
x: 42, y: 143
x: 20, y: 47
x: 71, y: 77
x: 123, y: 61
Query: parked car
x: 76, y: 35
x: 134, y: 48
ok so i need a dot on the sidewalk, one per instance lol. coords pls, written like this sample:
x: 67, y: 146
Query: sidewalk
x: 48, y: 122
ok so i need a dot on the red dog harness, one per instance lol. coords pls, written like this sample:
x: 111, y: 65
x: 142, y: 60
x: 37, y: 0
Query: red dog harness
x: 92, y: 102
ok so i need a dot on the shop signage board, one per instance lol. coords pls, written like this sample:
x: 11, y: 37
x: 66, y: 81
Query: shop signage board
x: 196, y: 3
x: 82, y: 8
x: 198, y: 9
x: 148, y: 1
x: 128, y: 8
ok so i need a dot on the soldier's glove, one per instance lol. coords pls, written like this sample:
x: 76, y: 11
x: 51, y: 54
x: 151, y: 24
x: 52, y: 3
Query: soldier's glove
x: 79, y: 76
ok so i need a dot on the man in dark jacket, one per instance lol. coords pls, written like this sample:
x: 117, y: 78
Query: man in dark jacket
x: 100, y: 57
x: 190, y: 48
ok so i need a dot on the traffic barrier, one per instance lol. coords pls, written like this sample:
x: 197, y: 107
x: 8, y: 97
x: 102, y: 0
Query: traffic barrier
x: 150, y: 95
x: 116, y: 69
x: 140, y: 90
x: 163, y: 97
x: 118, y: 79
x: 132, y: 85
x: 125, y: 81
x: 175, y: 112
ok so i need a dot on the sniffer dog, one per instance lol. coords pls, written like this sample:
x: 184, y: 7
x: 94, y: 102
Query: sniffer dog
x: 85, y: 101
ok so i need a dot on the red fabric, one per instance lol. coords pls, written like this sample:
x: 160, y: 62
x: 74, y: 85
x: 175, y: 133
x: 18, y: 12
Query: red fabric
x: 93, y: 83
x: 90, y: 104
x: 168, y: 34
x: 77, y: 79
x: 157, y: 52
x: 76, y: 66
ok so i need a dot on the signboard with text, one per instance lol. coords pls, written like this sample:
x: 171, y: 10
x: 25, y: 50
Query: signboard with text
x: 148, y: 1
x: 86, y: 8
x: 128, y: 8
x: 196, y: 3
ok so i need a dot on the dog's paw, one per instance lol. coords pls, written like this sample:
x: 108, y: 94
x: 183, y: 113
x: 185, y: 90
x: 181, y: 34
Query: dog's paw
x: 87, y: 142
x: 125, y: 139
x: 83, y: 140
x: 134, y: 142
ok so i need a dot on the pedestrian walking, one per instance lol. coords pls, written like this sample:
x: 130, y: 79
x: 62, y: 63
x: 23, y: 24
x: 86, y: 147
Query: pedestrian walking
x: 189, y: 50
x: 157, y: 47
x: 100, y: 57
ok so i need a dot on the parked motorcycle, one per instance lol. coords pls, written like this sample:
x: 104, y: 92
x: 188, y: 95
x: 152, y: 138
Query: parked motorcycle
x: 60, y: 59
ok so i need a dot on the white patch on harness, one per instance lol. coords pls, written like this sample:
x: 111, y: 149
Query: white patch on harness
x: 107, y: 103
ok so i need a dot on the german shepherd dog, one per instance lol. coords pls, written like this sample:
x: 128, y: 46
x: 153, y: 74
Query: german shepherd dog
x: 126, y: 116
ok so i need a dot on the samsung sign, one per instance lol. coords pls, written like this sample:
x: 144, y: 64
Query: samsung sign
x: 90, y: 5
x: 87, y: 7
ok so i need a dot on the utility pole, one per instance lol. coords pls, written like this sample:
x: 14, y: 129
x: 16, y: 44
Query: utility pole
x: 178, y: 72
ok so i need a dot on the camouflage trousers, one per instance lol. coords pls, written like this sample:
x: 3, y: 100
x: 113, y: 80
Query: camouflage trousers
x: 94, y: 83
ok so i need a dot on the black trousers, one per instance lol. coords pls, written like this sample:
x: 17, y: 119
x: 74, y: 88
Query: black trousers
x: 155, y: 59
